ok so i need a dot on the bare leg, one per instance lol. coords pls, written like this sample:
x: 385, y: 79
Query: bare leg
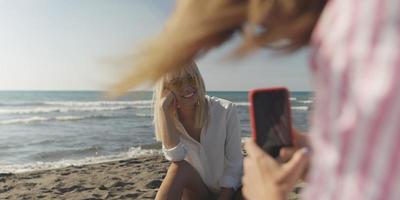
x: 182, y: 180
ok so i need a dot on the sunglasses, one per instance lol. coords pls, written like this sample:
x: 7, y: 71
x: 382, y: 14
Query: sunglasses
x: 178, y: 83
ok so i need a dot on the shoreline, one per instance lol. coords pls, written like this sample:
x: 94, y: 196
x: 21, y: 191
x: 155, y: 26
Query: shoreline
x: 133, y: 178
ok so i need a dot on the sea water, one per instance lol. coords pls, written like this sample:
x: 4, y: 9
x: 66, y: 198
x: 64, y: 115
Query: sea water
x: 50, y: 129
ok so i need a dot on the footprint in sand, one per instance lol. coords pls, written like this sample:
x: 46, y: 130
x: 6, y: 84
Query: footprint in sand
x: 154, y: 184
x: 30, y: 185
x: 40, y: 196
x: 133, y: 195
x: 6, y: 188
x: 102, y: 187
x: 120, y: 184
x: 65, y: 173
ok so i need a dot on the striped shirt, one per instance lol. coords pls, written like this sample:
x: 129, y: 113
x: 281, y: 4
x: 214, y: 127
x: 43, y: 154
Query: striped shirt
x: 356, y: 122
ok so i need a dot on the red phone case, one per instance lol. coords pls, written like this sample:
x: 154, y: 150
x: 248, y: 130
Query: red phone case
x: 252, y: 114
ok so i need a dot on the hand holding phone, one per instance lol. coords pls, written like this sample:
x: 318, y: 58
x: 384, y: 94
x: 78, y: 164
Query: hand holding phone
x: 271, y: 119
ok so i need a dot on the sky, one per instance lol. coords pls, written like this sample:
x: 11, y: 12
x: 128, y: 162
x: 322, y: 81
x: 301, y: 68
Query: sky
x: 71, y: 45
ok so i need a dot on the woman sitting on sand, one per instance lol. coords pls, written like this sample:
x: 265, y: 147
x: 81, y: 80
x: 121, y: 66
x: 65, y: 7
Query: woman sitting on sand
x: 200, y: 135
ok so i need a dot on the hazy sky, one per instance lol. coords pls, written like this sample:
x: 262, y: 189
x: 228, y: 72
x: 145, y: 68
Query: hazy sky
x: 67, y: 45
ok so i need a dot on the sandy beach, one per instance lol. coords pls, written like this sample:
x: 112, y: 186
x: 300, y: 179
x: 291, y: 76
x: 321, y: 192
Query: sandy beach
x: 135, y: 178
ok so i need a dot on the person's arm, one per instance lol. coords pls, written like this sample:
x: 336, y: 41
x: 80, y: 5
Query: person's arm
x: 169, y: 135
x: 233, y: 170
x: 172, y: 148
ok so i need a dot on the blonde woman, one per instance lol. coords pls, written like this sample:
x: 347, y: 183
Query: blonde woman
x: 200, y: 135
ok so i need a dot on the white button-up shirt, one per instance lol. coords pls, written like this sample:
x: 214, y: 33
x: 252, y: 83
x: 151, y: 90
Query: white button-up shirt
x: 218, y: 157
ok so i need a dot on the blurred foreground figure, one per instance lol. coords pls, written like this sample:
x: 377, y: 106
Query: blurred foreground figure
x: 355, y: 62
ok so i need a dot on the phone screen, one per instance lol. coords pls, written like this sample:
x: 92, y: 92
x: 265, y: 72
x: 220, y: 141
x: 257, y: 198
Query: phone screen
x: 271, y: 115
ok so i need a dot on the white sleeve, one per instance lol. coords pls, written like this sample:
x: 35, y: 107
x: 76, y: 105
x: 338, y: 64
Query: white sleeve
x: 233, y: 152
x: 176, y: 153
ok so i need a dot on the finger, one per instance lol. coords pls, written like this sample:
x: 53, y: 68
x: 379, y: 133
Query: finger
x: 246, y: 170
x: 246, y: 179
x: 300, y: 139
x: 286, y: 153
x: 167, y: 97
x: 253, y: 149
x: 292, y: 170
x: 252, y: 177
x: 245, y: 192
x: 169, y: 101
x: 171, y: 95
x: 167, y: 92
x: 263, y: 159
x: 250, y: 168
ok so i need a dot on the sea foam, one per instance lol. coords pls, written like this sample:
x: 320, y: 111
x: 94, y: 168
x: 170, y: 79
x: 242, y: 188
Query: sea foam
x: 133, y: 152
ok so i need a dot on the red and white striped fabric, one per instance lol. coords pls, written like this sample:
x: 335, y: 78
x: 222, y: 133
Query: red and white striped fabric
x: 356, y: 121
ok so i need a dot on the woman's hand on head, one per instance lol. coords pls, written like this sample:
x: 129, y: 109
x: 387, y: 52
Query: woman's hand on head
x: 264, y: 178
x: 170, y: 135
x: 168, y: 104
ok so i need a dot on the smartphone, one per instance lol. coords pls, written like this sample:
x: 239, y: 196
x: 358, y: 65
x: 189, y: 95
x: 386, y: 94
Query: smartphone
x: 270, y: 118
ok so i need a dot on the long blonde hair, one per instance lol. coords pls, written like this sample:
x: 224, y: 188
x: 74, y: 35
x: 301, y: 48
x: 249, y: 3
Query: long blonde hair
x: 262, y: 23
x: 201, y: 113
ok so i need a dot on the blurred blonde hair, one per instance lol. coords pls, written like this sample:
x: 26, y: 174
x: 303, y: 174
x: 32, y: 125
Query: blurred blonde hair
x: 281, y: 25
x: 262, y: 23
x: 201, y: 115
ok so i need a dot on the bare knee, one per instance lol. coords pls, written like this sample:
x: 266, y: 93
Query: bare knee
x: 181, y: 176
x: 180, y: 168
x: 182, y: 172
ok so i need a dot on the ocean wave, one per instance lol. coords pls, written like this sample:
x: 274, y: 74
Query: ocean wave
x: 294, y: 107
x: 133, y: 152
x: 144, y: 115
x: 292, y: 98
x: 303, y: 108
x: 97, y: 103
x: 39, y: 119
x: 43, y: 142
x: 24, y: 121
x: 78, y: 103
x: 61, y: 109
x: 8, y: 146
x: 54, y: 155
x: 19, y: 104
x: 245, y: 139
x: 306, y: 101
x: 143, y: 107
x: 242, y: 103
